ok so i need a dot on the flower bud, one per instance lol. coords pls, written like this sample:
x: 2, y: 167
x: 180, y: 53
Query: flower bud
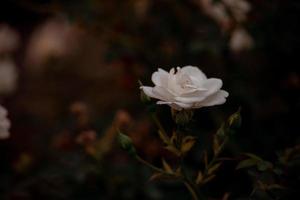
x: 235, y: 120
x: 126, y: 144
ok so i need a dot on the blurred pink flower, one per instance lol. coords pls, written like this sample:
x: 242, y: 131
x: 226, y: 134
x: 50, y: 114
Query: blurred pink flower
x: 141, y: 7
x: 122, y: 119
x: 240, y: 40
x: 217, y: 11
x: 8, y: 76
x: 56, y: 38
x: 4, y: 123
x: 238, y: 8
x: 9, y: 39
x: 86, y: 137
x: 225, y: 12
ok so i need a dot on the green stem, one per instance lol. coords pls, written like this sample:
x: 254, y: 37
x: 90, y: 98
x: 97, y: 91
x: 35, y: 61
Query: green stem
x: 191, y: 190
x: 151, y: 166
x: 217, y: 154
x: 190, y: 186
x: 213, y: 160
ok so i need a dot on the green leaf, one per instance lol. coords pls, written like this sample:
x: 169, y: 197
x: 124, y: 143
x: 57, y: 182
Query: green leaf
x: 166, y: 166
x: 126, y: 144
x: 173, y: 150
x: 212, y: 169
x: 221, y: 131
x: 199, y: 178
x: 173, y: 138
x: 276, y: 186
x: 209, y: 178
x: 264, y: 165
x: 253, y: 156
x: 216, y: 145
x: 178, y: 171
x: 187, y: 144
x: 156, y: 176
x: 235, y: 120
x: 164, y: 137
x: 247, y: 163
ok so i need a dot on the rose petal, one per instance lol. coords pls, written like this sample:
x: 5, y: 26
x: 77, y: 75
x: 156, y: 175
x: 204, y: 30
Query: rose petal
x: 215, y: 99
x: 163, y: 93
x: 194, y: 72
x: 148, y: 91
x: 172, y: 82
x: 160, y: 78
x: 212, y: 85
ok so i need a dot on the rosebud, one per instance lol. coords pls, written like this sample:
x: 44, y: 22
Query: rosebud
x: 126, y: 144
x: 235, y: 120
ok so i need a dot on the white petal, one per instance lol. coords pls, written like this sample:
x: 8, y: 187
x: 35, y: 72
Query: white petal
x: 193, y: 72
x: 172, y: 82
x: 215, y: 99
x: 212, y: 85
x: 148, y: 91
x: 160, y: 78
x: 163, y: 94
x: 192, y: 97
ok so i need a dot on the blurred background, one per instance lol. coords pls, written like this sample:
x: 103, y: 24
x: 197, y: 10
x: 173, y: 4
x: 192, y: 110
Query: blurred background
x: 69, y: 74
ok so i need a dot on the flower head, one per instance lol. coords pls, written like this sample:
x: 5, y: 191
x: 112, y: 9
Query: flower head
x: 4, y: 123
x: 185, y: 88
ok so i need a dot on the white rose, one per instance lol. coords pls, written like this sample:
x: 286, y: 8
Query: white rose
x: 4, y: 123
x: 185, y: 88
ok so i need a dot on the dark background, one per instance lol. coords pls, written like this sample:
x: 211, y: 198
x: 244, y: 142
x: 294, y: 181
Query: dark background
x: 117, y: 47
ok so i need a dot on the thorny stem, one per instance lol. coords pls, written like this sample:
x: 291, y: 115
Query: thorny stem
x: 182, y: 177
x: 191, y: 190
x: 217, y: 154
x: 213, y: 160
x: 151, y: 166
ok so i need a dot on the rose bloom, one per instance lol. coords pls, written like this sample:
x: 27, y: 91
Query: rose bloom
x: 185, y: 88
x: 4, y: 123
